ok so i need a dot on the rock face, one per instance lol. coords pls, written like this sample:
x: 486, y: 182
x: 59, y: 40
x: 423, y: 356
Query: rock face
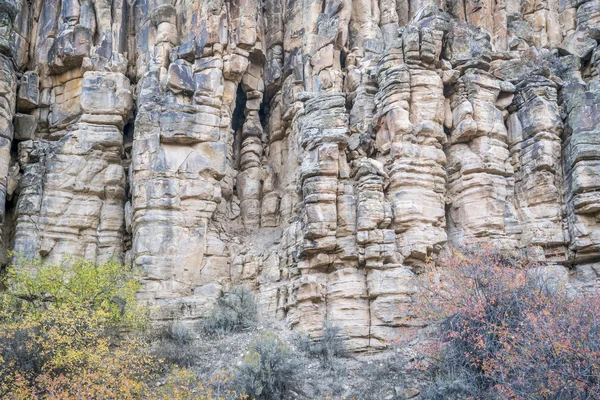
x: 317, y: 152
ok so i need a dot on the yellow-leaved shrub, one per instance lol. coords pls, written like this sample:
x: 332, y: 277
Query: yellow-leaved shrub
x: 70, y: 330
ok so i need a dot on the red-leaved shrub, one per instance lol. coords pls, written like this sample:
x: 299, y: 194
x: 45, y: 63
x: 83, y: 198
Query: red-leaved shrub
x: 507, y: 328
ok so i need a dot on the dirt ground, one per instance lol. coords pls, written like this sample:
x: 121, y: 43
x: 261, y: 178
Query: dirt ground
x: 360, y: 376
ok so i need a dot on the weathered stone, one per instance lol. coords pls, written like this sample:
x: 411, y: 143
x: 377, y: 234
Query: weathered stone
x: 318, y: 153
x: 25, y: 126
x: 579, y: 44
x: 181, y: 78
x: 29, y: 92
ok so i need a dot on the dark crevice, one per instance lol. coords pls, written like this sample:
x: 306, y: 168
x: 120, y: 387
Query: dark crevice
x: 238, y: 118
x: 263, y: 114
x: 128, y: 130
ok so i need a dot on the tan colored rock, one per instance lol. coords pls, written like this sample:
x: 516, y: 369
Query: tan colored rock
x: 411, y: 113
x: 534, y: 143
x: 315, y: 152
x: 78, y: 192
x: 480, y: 183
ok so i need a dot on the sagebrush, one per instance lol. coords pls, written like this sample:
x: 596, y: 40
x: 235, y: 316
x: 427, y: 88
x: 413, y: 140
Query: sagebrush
x: 270, y: 370
x: 234, y: 312
x: 327, y: 349
x: 176, y: 344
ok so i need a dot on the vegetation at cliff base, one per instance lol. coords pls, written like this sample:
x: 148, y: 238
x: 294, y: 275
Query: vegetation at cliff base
x: 73, y: 330
x: 507, y: 328
x: 235, y: 311
x: 497, y: 325
x: 60, y: 331
x: 270, y: 370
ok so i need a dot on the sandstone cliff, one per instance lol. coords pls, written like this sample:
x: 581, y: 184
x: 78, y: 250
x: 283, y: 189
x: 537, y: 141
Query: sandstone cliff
x: 316, y: 151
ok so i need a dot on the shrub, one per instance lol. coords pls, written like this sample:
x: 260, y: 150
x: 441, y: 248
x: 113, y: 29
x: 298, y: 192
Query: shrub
x: 108, y: 289
x: 269, y: 370
x: 506, y: 330
x: 176, y: 346
x: 180, y: 333
x: 234, y: 312
x: 73, y: 330
x: 59, y: 327
x: 327, y: 349
x: 183, y: 384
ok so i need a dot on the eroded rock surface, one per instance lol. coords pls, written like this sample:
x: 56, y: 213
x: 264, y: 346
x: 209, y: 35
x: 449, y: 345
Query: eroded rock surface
x: 318, y: 152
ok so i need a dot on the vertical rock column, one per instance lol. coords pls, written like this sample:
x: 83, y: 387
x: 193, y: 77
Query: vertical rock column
x: 280, y: 176
x: 580, y: 21
x: 73, y: 106
x: 32, y: 163
x: 331, y: 286
x: 179, y: 160
x: 361, y: 86
x: 74, y: 188
x: 410, y: 116
x: 250, y: 177
x: 326, y: 284
x: 543, y: 19
x: 534, y: 130
x: 389, y: 283
x: 410, y: 113
x: 322, y: 132
x: 581, y: 154
x: 581, y: 138
x: 480, y: 182
x: 84, y: 186
x: 8, y: 88
x: 8, y: 91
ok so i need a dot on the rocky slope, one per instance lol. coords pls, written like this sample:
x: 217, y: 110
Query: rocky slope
x: 316, y: 151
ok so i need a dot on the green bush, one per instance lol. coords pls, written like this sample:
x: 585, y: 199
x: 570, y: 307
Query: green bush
x: 107, y: 288
x: 74, y: 330
x: 327, y: 349
x: 270, y: 370
x: 234, y: 312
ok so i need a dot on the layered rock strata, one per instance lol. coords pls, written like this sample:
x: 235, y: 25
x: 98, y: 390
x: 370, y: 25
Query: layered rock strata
x: 316, y: 152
